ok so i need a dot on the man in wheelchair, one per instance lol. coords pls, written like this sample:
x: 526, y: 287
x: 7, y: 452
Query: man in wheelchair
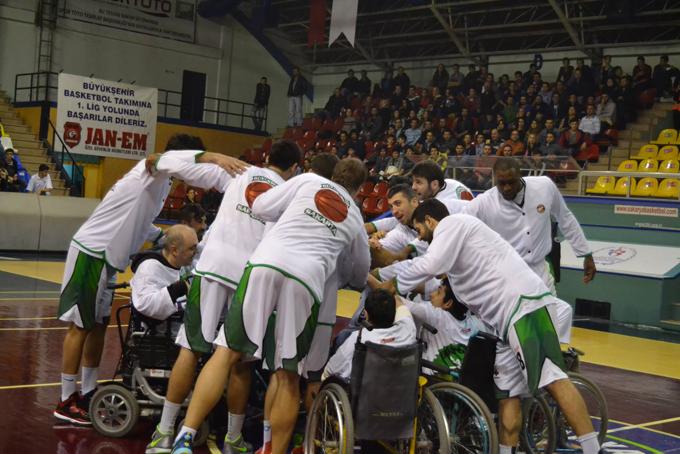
x: 391, y: 322
x: 157, y: 286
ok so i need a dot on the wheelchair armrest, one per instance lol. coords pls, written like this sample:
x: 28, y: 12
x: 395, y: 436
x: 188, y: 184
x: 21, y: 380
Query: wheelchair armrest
x: 435, y: 367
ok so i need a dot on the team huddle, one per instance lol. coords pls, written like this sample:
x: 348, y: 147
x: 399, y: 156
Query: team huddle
x: 262, y: 284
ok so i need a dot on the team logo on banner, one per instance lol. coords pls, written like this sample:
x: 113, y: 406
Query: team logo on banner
x: 613, y: 255
x: 72, y: 133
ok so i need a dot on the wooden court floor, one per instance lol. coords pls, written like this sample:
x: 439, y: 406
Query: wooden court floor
x: 639, y: 377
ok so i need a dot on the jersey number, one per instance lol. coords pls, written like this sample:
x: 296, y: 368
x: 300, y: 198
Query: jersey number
x: 521, y: 361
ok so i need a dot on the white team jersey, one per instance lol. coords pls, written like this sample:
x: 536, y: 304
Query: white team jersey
x: 527, y: 228
x: 398, y: 238
x: 150, y: 294
x: 316, y: 220
x: 453, y: 189
x: 123, y: 220
x: 385, y: 224
x: 485, y: 272
x: 236, y: 232
x: 402, y: 333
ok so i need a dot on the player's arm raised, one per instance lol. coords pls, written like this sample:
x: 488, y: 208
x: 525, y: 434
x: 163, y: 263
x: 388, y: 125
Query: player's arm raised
x: 181, y: 165
x: 230, y: 164
x: 270, y: 205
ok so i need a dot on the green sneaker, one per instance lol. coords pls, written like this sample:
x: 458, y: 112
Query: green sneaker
x: 160, y: 442
x: 237, y: 446
x: 184, y: 445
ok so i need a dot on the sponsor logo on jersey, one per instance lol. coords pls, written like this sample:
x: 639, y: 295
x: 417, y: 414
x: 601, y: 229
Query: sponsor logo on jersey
x: 246, y: 210
x: 318, y: 217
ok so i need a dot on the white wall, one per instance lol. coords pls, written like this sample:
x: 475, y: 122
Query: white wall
x: 231, y: 58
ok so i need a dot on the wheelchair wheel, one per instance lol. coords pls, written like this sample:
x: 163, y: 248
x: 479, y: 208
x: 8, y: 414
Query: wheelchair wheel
x: 431, y: 429
x: 538, y: 433
x: 597, y: 410
x: 470, y: 425
x: 202, y: 435
x: 114, y: 410
x: 330, y: 428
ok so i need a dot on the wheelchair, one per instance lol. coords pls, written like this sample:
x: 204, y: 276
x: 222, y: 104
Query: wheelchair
x: 148, y: 353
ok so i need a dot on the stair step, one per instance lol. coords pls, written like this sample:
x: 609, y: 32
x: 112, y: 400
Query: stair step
x: 22, y: 143
x: 34, y: 159
x: 10, y: 121
x: 32, y: 152
x: 22, y: 136
x: 12, y: 129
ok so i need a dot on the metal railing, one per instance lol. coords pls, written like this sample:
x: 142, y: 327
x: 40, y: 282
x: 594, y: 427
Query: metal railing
x: 583, y: 179
x: 42, y: 86
x: 75, y: 180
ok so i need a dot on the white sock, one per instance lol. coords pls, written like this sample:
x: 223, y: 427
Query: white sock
x: 502, y: 449
x: 185, y: 430
x: 168, y: 417
x: 68, y: 385
x: 266, y: 432
x: 235, y: 425
x: 89, y: 379
x: 589, y: 443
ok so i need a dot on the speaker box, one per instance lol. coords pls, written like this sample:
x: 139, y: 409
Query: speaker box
x: 193, y: 96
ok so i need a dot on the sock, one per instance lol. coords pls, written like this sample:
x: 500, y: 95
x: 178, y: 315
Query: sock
x: 185, y: 430
x: 89, y: 379
x: 589, y: 443
x: 234, y: 426
x: 267, y: 432
x: 68, y: 385
x: 168, y: 417
x: 502, y: 449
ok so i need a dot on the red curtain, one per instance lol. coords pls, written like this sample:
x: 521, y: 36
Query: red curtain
x: 317, y: 22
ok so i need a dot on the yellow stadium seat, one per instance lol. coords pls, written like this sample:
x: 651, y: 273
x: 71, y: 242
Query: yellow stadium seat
x: 628, y: 166
x: 667, y: 136
x: 648, y: 151
x: 646, y: 187
x: 667, y: 152
x: 603, y: 185
x: 648, y: 165
x: 669, y: 188
x: 622, y: 185
x: 670, y: 166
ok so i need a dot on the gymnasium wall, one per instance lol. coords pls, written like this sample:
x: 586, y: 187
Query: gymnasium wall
x: 231, y: 58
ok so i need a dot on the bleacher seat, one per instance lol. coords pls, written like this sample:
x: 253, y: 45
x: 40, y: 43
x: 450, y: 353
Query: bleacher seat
x: 370, y: 207
x: 366, y: 190
x: 310, y: 135
x: 368, y: 148
x: 648, y: 151
x: 646, y: 187
x: 603, y: 185
x: 288, y: 133
x: 380, y: 189
x: 667, y: 136
x: 669, y: 188
x: 622, y: 185
x: 267, y: 145
x: 667, y: 152
x: 383, y: 205
x: 590, y: 154
x: 628, y: 166
x: 670, y: 166
x: 648, y: 165
x: 307, y: 123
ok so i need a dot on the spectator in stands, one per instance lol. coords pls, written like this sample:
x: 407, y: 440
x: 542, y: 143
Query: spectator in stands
x: 297, y: 87
x: 642, y: 75
x: 625, y: 103
x: 41, y: 182
x: 532, y: 146
x: 610, y: 87
x: 534, y: 128
x: 413, y: 98
x: 549, y: 127
x: 590, y: 124
x: 396, y: 160
x: 487, y: 98
x: 489, y: 122
x: 440, y: 78
x: 190, y: 197
x: 428, y: 141
x: 349, y: 85
x: 440, y: 158
x: 579, y: 86
x: 515, y: 144
x: 572, y: 140
x: 545, y: 93
x: 364, y: 84
x: 10, y: 173
x: 398, y: 127
x: 446, y: 143
x: 456, y: 80
x: 194, y: 217
x: 343, y: 144
x: 606, y: 112
x: 556, y: 108
x: 606, y: 71
x: 373, y: 126
x: 357, y: 144
x: 386, y: 83
x: 471, y: 78
x: 409, y: 160
x: 472, y: 102
x: 586, y: 72
x: 462, y: 162
x: 349, y: 121
x: 381, y: 162
x: 496, y: 140
x: 510, y: 110
x: 480, y: 140
x: 521, y: 127
x: 503, y: 130
x: 335, y: 104
x: 551, y: 148
x: 397, y: 97
x: 468, y: 145
x: 413, y: 133
x: 402, y: 80
x: 262, y: 92
x: 464, y: 124
x: 505, y: 150
x: 662, y: 76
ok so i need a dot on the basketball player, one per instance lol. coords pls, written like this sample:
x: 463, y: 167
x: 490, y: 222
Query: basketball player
x: 490, y: 277
x: 316, y: 220
x: 117, y: 228
x: 429, y: 182
x: 233, y: 237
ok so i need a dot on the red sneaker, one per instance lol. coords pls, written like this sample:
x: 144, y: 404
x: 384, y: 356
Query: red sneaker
x: 266, y: 449
x: 298, y: 450
x: 69, y: 410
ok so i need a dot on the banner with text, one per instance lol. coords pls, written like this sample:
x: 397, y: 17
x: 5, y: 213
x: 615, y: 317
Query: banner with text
x: 174, y: 19
x: 105, y: 118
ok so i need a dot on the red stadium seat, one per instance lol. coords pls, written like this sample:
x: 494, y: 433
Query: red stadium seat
x: 179, y: 191
x: 288, y: 133
x: 370, y: 207
x: 380, y: 189
x: 383, y: 206
x: 298, y: 133
x: 267, y: 145
x: 338, y: 124
x: 327, y: 125
x: 366, y: 190
x: 310, y: 136
x: 308, y: 123
x: 316, y: 123
x: 368, y: 148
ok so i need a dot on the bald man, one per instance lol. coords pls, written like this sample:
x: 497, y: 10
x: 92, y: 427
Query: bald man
x: 157, y: 286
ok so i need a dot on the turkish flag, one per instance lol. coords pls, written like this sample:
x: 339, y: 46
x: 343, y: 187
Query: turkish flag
x: 317, y: 22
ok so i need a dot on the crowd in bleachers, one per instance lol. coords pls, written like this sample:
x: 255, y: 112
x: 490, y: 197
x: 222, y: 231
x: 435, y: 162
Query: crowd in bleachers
x: 458, y: 119
x: 13, y: 175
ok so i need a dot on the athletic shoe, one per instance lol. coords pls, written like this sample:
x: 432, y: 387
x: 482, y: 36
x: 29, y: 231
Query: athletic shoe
x: 184, y: 445
x: 69, y: 410
x: 266, y: 449
x: 160, y: 442
x: 237, y: 446
x: 85, y: 399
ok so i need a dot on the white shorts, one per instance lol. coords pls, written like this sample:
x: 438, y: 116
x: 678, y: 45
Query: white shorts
x: 263, y: 290
x: 207, y: 303
x: 85, y: 297
x: 564, y: 311
x: 531, y: 358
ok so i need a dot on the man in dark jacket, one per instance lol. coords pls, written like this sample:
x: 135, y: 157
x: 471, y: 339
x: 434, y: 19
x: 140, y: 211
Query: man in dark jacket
x: 349, y: 84
x: 364, y: 84
x: 261, y: 101
x: 402, y: 80
x: 296, y: 90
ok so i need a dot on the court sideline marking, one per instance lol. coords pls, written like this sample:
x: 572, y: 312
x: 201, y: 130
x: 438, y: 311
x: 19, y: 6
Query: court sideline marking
x: 52, y: 328
x: 44, y: 385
